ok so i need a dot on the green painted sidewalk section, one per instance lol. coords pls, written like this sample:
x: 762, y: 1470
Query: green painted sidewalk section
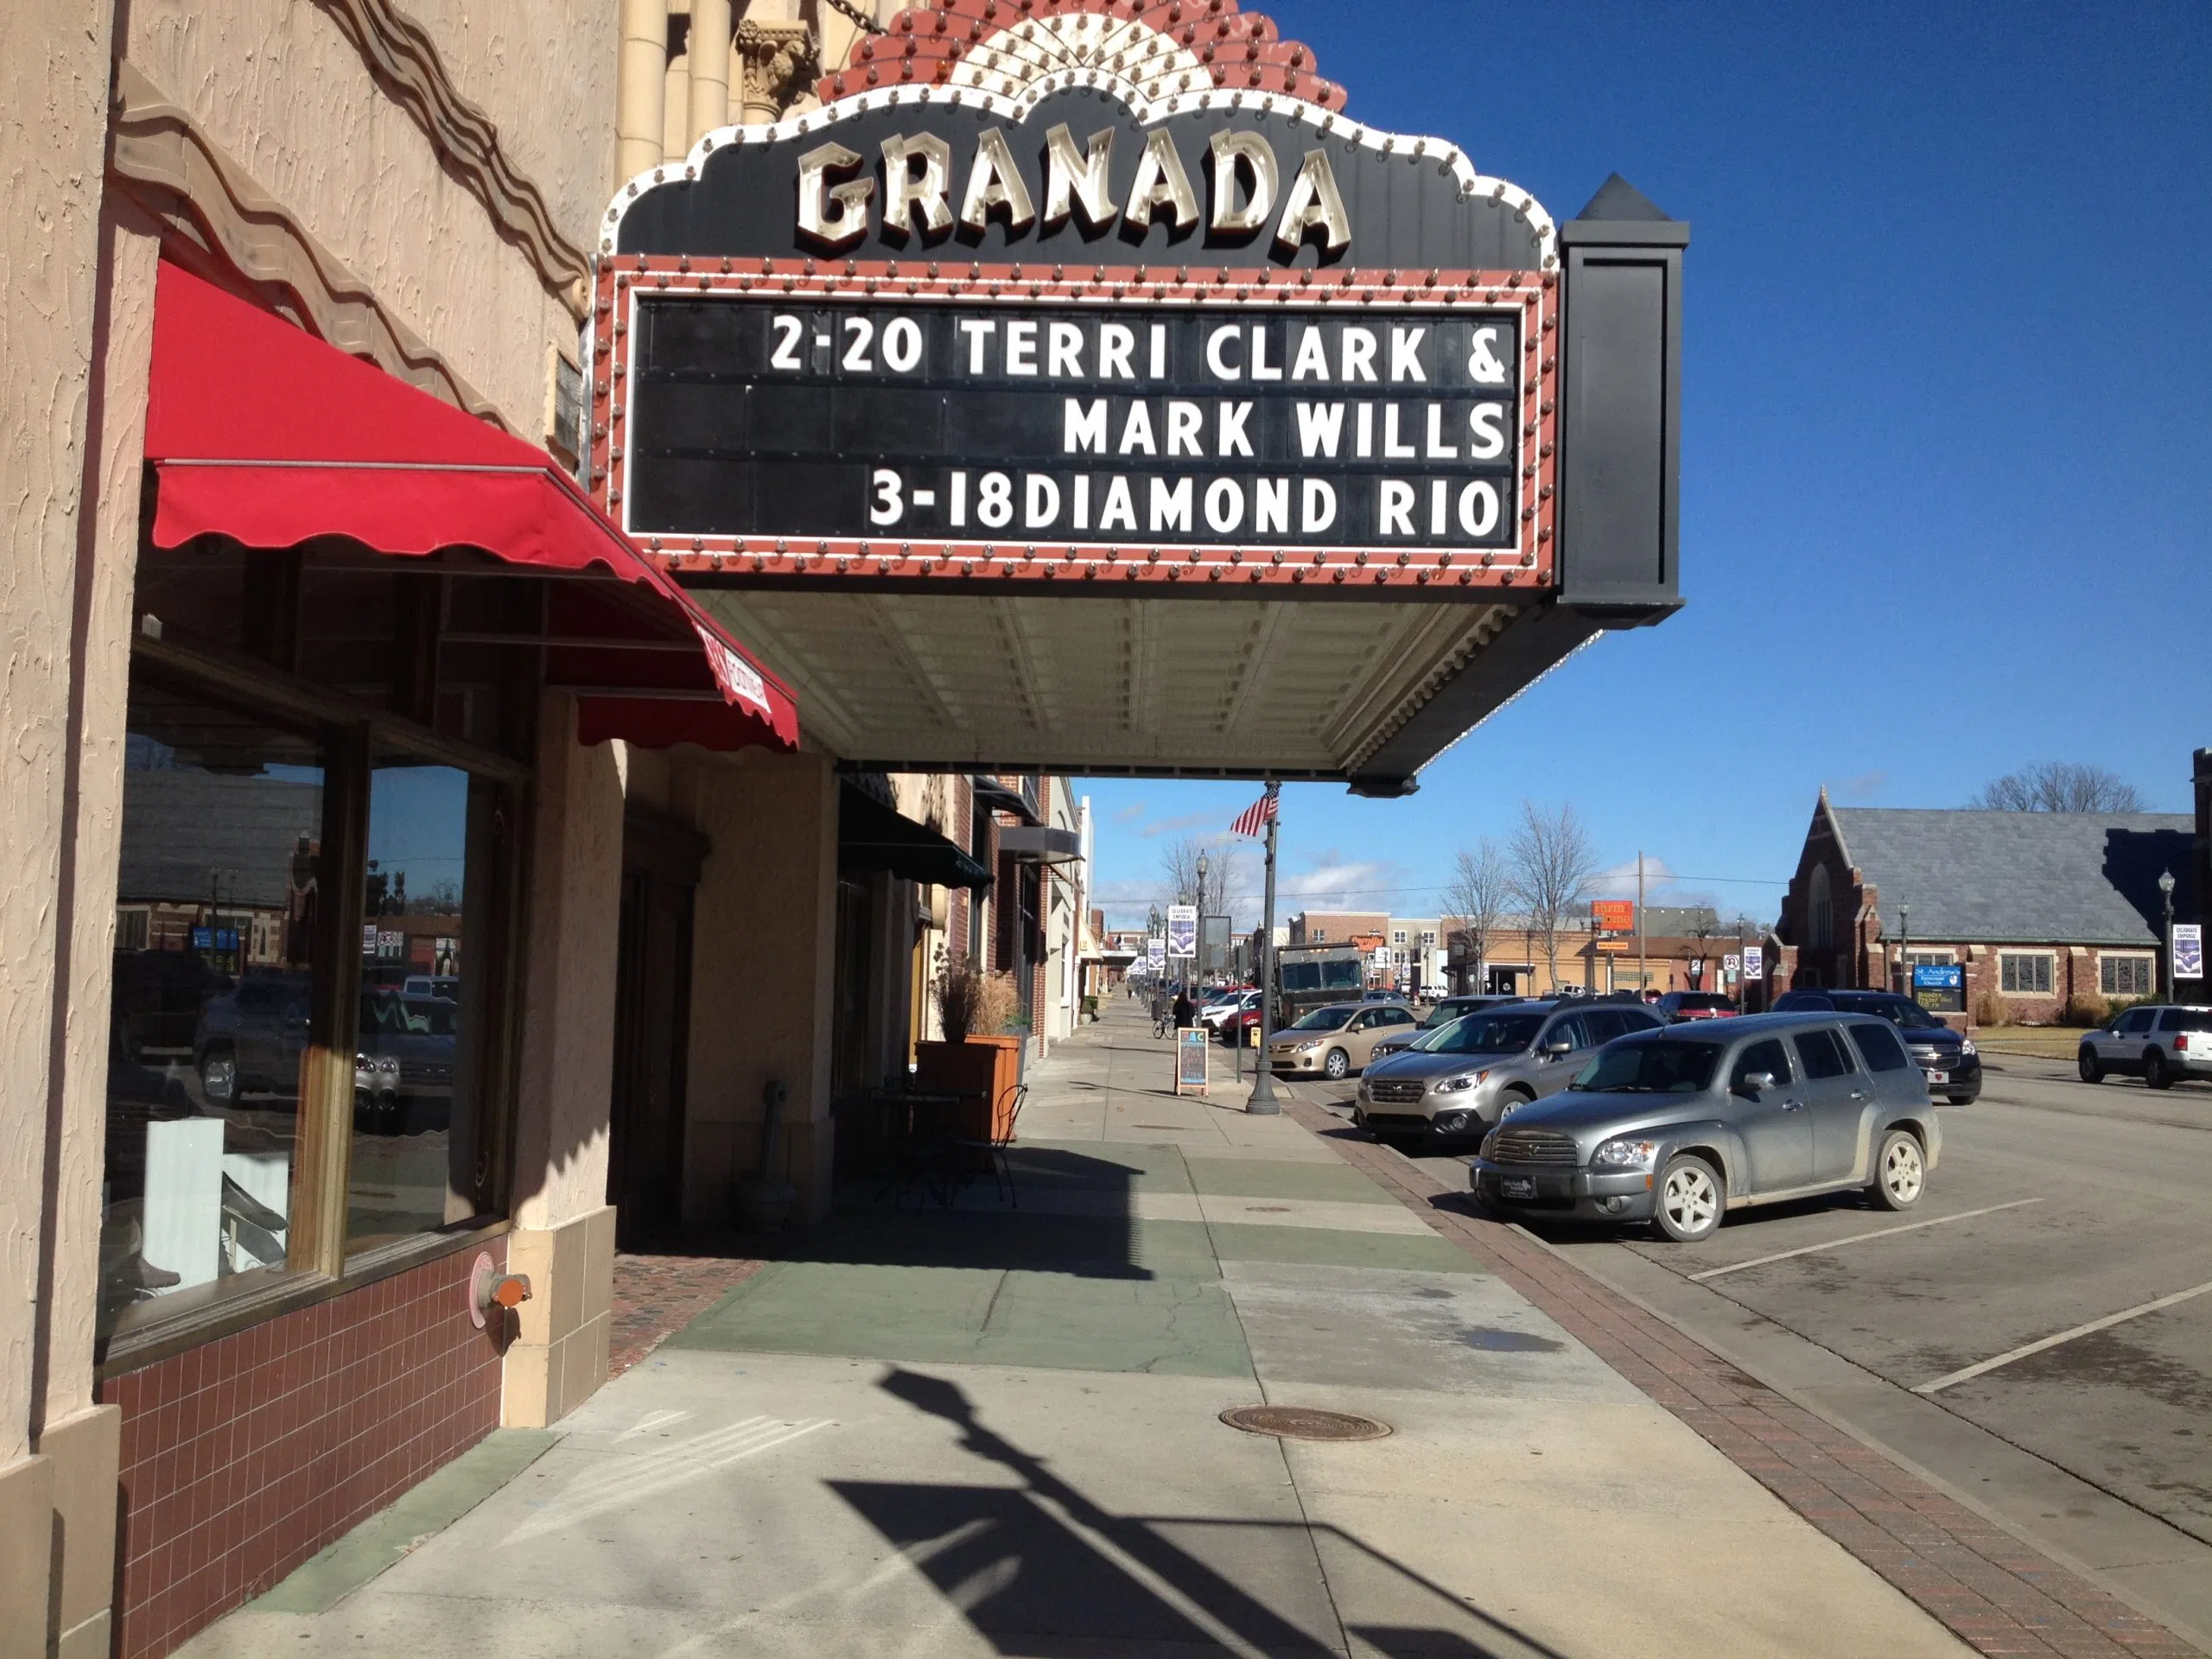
x: 326, y: 1579
x: 1101, y: 1292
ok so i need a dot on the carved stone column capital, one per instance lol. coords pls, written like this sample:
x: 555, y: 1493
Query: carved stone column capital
x: 779, y: 59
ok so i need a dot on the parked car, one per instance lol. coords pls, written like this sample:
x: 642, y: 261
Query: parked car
x: 250, y: 1040
x: 1445, y: 1010
x: 1232, y: 1018
x: 1677, y: 1126
x: 2157, y: 1042
x: 445, y: 985
x: 1945, y: 1055
x: 1696, y: 1005
x: 1337, y: 1040
x: 417, y: 1036
x: 1465, y: 1077
x: 1223, y: 1004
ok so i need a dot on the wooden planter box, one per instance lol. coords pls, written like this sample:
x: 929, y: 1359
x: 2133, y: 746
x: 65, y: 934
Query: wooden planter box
x: 990, y: 1066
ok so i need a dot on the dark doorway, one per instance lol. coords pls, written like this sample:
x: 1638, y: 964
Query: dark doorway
x: 652, y: 1027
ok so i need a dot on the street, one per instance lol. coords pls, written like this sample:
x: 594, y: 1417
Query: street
x: 2063, y: 1259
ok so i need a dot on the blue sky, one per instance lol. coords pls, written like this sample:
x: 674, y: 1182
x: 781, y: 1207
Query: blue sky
x: 1947, y: 453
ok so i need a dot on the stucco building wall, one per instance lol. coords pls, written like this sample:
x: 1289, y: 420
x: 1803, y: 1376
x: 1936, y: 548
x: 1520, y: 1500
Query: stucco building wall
x: 290, y: 99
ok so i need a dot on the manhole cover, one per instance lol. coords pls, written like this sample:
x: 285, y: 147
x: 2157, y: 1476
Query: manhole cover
x: 1303, y: 1423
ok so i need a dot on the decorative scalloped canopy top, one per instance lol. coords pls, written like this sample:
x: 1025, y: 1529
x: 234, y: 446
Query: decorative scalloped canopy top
x: 1157, y: 47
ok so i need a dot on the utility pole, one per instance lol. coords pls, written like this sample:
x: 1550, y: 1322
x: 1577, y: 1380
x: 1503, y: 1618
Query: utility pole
x: 1643, y: 964
x: 1263, y: 1103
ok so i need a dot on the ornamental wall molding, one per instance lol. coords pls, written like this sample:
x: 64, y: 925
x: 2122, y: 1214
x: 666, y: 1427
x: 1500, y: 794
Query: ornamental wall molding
x: 203, y: 198
x: 404, y: 60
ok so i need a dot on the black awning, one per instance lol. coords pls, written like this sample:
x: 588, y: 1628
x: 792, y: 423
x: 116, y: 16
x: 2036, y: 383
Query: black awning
x: 872, y: 836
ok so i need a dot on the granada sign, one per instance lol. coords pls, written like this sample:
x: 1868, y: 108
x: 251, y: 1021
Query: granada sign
x: 1091, y: 321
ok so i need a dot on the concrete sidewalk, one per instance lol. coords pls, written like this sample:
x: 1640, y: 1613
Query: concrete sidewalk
x: 983, y: 1430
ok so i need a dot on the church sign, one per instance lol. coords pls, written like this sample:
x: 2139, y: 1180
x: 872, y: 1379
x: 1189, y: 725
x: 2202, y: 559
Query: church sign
x: 1067, y: 294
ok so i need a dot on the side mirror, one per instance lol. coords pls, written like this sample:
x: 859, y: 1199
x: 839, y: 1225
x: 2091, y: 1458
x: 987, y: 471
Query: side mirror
x: 1558, y: 1047
x: 1755, y: 1083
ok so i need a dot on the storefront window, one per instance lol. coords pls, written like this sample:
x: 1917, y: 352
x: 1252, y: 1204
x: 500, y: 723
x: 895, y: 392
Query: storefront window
x: 434, y: 853
x: 216, y: 979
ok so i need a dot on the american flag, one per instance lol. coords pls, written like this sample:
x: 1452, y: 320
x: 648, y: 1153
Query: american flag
x: 1254, y: 819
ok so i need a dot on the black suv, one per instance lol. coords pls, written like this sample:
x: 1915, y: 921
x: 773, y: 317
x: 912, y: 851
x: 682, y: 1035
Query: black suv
x: 1946, y: 1055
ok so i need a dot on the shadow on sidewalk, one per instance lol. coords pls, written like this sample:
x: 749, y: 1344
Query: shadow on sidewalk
x: 1039, y: 1569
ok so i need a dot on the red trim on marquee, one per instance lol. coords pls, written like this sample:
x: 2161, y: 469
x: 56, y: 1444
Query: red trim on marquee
x: 1242, y: 51
x: 269, y: 436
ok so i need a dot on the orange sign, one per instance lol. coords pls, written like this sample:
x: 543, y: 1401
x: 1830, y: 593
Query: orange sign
x: 1613, y: 915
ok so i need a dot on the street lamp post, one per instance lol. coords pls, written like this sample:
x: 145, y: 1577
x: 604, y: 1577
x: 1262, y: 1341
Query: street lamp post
x: 1198, y: 941
x: 1262, y: 1103
x: 1905, y: 949
x: 2166, y: 955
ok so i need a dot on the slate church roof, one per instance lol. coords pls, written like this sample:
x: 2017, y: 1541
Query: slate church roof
x: 2058, y: 878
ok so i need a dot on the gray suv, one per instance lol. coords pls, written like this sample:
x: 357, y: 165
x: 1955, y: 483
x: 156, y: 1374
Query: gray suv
x: 2158, y: 1043
x: 1676, y: 1126
x: 1461, y: 1080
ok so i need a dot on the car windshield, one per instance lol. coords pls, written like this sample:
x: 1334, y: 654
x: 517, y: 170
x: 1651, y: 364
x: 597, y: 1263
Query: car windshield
x: 1443, y: 1014
x: 1702, y: 1000
x: 1324, y: 1020
x: 1654, y: 1066
x: 1486, y: 1034
x: 1895, y: 1009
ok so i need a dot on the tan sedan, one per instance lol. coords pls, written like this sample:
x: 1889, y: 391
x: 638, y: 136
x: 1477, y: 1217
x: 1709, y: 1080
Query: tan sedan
x: 1337, y: 1040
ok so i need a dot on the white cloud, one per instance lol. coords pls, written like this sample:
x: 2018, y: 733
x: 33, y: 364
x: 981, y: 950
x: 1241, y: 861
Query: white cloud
x: 1619, y: 881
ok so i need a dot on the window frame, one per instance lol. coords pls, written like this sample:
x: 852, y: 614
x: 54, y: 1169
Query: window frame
x: 318, y: 1266
x: 2048, y: 958
x: 2144, y: 962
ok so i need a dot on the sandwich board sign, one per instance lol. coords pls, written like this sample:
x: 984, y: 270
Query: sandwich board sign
x: 1191, y: 1058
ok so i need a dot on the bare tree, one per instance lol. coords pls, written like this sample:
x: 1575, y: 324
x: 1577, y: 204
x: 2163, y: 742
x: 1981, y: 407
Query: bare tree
x: 1552, y: 864
x: 1215, y: 892
x: 1476, y: 900
x: 2059, y: 787
x: 1699, y: 953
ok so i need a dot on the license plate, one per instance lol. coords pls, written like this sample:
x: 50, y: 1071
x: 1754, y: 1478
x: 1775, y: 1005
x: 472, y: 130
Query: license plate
x: 1939, y: 1076
x: 1517, y: 1186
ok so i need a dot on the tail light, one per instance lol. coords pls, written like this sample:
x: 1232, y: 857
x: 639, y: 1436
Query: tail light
x: 2181, y: 1042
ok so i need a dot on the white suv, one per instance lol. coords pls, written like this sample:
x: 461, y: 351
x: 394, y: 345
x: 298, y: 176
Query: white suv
x: 2158, y: 1043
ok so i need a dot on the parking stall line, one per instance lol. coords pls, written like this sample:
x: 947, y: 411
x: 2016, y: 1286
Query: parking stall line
x: 2088, y: 1330
x: 1859, y: 1238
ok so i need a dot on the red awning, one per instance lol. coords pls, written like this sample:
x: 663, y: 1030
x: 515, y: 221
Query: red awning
x: 266, y: 434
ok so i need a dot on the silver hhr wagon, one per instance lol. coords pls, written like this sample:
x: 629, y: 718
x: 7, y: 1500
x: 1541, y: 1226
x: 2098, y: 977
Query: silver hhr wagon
x: 1676, y: 1126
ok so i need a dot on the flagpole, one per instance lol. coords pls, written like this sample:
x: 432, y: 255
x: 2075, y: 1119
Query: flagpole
x: 1262, y: 1103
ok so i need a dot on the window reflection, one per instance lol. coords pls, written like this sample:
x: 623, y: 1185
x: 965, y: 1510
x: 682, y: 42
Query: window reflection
x: 416, y: 1151
x: 219, y: 890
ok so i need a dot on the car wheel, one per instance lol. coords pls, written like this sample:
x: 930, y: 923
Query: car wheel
x: 1900, y: 1170
x: 2091, y: 1071
x: 2154, y: 1068
x: 219, y: 1076
x: 1512, y: 1101
x: 1959, y: 1100
x: 1691, y: 1200
x: 1338, y: 1066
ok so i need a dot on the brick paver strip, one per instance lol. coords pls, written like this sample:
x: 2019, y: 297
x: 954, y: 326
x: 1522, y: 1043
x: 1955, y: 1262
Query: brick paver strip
x: 656, y: 1296
x: 1996, y: 1594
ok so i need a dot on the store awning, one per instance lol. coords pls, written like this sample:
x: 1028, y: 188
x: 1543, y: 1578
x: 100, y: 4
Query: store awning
x: 873, y: 836
x: 1040, y: 843
x: 264, y: 434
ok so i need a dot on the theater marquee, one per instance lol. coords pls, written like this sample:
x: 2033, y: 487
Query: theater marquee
x: 1108, y: 330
